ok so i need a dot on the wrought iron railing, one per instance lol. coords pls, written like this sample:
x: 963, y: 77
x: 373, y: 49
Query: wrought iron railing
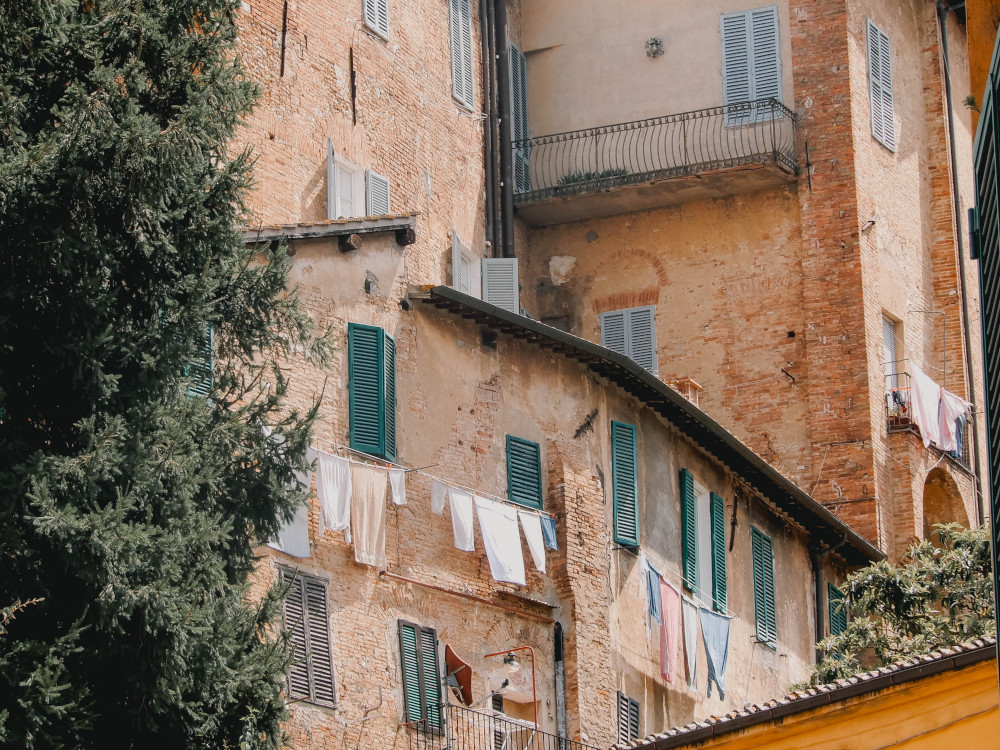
x: 756, y: 132
x: 900, y: 418
x: 473, y: 729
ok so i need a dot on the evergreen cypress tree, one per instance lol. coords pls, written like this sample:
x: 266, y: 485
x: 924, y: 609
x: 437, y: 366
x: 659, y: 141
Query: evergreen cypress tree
x: 130, y: 501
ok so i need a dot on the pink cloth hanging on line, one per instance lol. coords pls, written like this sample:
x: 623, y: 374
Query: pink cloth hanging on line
x: 670, y: 615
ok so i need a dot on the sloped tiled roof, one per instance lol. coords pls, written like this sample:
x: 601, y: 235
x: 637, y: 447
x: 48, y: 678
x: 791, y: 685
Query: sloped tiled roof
x: 903, y: 671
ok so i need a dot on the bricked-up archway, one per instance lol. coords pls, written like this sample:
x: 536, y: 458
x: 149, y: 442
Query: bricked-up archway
x: 942, y: 501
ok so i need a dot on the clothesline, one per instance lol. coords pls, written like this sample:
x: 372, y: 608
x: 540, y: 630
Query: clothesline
x: 448, y: 482
x: 660, y: 566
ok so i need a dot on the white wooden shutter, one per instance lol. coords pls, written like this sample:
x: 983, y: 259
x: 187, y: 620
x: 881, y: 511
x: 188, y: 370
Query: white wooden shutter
x: 889, y: 351
x: 377, y: 194
x: 766, y: 81
x: 331, y: 181
x: 465, y: 268
x: 880, y: 87
x: 500, y: 283
x: 642, y: 337
x: 460, y: 16
x: 377, y: 16
x: 613, y: 331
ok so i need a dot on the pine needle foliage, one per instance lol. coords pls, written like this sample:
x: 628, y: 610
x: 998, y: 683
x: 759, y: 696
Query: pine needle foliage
x: 130, y: 510
x: 940, y: 594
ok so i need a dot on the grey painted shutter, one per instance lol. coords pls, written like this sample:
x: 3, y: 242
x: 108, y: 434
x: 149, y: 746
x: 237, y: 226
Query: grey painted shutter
x: 377, y: 16
x: 880, y: 87
x: 642, y: 336
x: 628, y: 719
x: 295, y: 625
x: 461, y: 268
x: 613, y: 331
x: 763, y: 587
x: 519, y: 119
x: 689, y: 530
x: 460, y: 17
x: 719, y: 583
x: 372, y: 390
x: 624, y: 484
x: 736, y: 69
x: 376, y: 194
x: 331, y: 181
x: 200, y: 371
x: 766, y: 72
x: 524, y: 472
x: 838, y: 613
x: 500, y: 283
x: 318, y: 642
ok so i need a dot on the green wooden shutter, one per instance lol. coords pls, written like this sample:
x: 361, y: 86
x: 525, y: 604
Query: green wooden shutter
x: 719, y: 590
x: 838, y: 611
x: 524, y: 472
x: 411, y: 668
x: 625, y: 484
x: 519, y: 120
x: 689, y: 531
x: 432, y: 677
x: 763, y: 587
x: 372, y: 386
x: 201, y: 369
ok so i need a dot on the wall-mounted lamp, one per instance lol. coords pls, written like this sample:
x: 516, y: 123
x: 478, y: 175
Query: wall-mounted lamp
x: 654, y: 47
x: 512, y: 666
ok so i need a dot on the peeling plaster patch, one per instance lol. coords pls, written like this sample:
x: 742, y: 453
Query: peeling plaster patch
x: 592, y: 236
x: 561, y: 268
x: 371, y: 283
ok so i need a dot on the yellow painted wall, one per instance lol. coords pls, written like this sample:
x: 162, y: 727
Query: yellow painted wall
x: 956, y: 710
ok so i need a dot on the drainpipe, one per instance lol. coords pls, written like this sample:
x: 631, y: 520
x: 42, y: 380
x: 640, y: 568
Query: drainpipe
x: 502, y: 56
x: 942, y: 13
x: 490, y: 121
x: 560, y: 664
x: 816, y: 559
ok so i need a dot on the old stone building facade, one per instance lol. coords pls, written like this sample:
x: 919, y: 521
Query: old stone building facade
x: 768, y: 292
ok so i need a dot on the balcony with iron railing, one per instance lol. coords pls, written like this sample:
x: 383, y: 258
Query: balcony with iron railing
x: 462, y: 728
x: 899, y: 416
x: 661, y: 161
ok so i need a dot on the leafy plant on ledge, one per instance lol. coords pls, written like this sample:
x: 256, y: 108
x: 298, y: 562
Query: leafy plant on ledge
x: 572, y: 178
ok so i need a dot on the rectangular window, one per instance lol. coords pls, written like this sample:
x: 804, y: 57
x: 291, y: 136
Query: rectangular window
x: 371, y: 356
x: 889, y: 356
x: 460, y: 18
x: 625, y: 484
x: 305, y: 618
x: 628, y: 719
x: 837, y: 607
x: 519, y: 120
x: 751, y: 63
x: 703, y: 540
x: 345, y: 188
x: 524, y: 472
x: 763, y: 587
x: 200, y: 371
x: 422, y: 675
x: 632, y: 332
x: 377, y: 17
x: 880, y: 87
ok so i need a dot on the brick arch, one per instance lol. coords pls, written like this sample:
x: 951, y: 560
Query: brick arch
x: 642, y: 267
x: 942, y: 501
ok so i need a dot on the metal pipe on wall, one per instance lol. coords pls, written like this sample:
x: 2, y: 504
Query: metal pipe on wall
x: 489, y: 121
x: 502, y: 56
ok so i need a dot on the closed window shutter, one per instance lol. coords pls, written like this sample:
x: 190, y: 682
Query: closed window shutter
x: 889, y: 352
x: 460, y: 17
x: 613, y: 331
x: 763, y: 587
x: 838, y: 613
x: 519, y: 119
x: 625, y: 484
x: 719, y: 586
x: 376, y: 194
x: 410, y: 662
x: 200, y: 371
x: 295, y: 625
x: 432, y: 676
x: 642, y: 337
x: 377, y: 16
x: 751, y: 63
x: 880, y: 87
x: 524, y: 472
x: 766, y: 80
x: 500, y: 283
x: 421, y: 676
x: 372, y: 386
x: 461, y: 266
x: 628, y: 719
x: 736, y: 67
x: 331, y: 181
x: 689, y: 531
